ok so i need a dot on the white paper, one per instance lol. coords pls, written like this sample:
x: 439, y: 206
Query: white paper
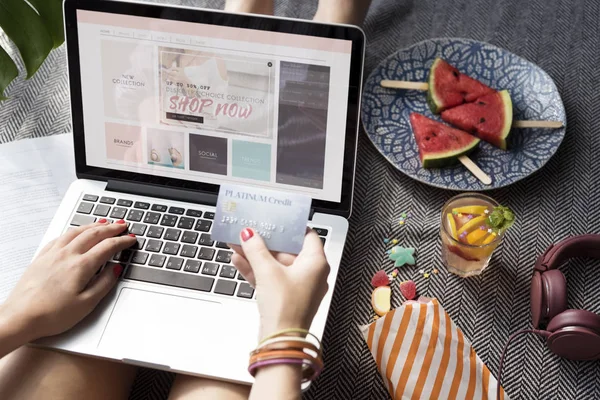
x: 34, y: 176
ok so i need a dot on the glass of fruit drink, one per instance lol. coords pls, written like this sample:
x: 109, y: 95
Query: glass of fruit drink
x: 472, y: 227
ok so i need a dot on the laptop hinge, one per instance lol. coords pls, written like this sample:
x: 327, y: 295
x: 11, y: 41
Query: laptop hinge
x: 163, y: 192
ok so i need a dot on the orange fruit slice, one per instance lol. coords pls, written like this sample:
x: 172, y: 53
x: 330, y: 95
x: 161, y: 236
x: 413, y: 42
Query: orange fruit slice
x: 490, y: 238
x: 474, y: 223
x: 381, y: 300
x: 477, y: 236
x: 452, y: 226
x: 479, y: 210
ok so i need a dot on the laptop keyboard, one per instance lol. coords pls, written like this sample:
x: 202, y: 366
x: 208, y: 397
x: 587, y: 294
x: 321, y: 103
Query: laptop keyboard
x: 174, y: 246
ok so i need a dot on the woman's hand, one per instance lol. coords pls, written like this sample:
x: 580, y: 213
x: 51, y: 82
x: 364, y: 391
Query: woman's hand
x: 61, y: 287
x: 290, y: 289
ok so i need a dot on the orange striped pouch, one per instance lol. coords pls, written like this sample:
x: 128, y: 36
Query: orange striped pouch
x: 421, y: 354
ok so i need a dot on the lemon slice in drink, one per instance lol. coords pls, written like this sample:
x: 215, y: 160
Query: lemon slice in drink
x: 489, y: 239
x: 452, y: 226
x: 478, y: 210
x: 474, y: 223
x: 477, y: 236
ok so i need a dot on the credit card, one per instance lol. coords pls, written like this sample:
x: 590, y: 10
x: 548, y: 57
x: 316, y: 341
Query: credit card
x: 279, y: 217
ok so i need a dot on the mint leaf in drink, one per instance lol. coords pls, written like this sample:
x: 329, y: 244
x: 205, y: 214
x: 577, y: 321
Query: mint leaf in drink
x: 501, y: 218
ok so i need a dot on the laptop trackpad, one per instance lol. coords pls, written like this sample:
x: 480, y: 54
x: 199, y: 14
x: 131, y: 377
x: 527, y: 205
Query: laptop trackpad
x: 146, y: 325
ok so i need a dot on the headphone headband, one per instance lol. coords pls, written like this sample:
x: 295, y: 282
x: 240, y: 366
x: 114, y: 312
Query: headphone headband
x: 576, y: 246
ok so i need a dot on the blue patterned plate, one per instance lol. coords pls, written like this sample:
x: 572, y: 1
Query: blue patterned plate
x: 385, y: 112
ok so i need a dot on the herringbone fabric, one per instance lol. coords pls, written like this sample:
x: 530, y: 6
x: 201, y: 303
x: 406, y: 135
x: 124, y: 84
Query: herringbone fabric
x: 563, y: 37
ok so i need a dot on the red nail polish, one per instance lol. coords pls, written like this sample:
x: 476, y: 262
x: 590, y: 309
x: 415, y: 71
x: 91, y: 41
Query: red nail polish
x: 102, y: 221
x: 117, y: 269
x: 132, y: 235
x: 120, y: 221
x: 247, y: 233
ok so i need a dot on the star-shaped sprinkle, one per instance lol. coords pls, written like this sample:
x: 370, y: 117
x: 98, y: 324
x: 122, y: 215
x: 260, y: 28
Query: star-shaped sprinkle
x: 454, y: 212
x: 402, y: 255
x: 394, y: 241
x: 483, y: 227
x: 460, y: 215
x: 469, y: 217
x: 389, y: 252
x: 386, y: 240
x: 435, y: 271
x: 401, y: 222
x: 490, y: 230
x: 426, y: 275
x: 403, y: 215
x: 487, y: 211
x: 395, y: 271
x: 421, y: 271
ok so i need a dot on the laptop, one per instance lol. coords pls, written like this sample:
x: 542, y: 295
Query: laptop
x: 168, y: 103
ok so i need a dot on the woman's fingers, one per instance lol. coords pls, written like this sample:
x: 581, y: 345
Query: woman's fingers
x: 312, y: 245
x: 96, y: 234
x: 102, y: 252
x: 72, y: 233
x: 244, y: 268
x: 284, y: 258
x: 101, y: 285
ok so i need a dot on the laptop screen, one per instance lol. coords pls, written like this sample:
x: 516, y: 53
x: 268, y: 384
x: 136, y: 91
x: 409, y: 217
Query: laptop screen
x: 213, y: 104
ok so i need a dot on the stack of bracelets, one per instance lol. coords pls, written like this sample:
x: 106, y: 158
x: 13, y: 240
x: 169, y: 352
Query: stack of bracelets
x: 292, y: 347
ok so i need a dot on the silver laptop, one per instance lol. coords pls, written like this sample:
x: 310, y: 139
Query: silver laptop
x: 169, y: 102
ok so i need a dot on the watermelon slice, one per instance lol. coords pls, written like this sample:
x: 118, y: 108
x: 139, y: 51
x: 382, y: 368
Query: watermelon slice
x: 449, y: 88
x: 440, y: 145
x: 489, y: 118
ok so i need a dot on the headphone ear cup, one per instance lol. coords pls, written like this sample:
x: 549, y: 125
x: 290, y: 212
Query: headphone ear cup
x: 575, y: 334
x: 554, y: 293
x: 538, y: 309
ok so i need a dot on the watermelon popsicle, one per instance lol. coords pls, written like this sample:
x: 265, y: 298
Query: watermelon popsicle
x: 441, y: 145
x: 447, y: 88
x: 489, y: 118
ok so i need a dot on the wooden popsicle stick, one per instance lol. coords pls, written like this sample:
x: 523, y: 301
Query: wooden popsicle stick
x: 537, y: 124
x: 404, y: 85
x: 475, y: 170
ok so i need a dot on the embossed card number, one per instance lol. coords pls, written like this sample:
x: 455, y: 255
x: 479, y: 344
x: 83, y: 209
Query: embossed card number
x: 280, y: 218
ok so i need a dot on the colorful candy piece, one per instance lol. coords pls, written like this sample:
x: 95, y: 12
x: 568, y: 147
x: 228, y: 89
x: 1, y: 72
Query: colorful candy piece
x: 394, y: 241
x: 381, y: 300
x: 401, y: 255
x: 408, y: 290
x: 386, y: 240
x: 380, y: 279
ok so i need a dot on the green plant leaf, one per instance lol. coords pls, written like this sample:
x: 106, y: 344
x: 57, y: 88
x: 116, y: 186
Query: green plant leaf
x: 51, y: 13
x: 8, y: 71
x: 26, y: 29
